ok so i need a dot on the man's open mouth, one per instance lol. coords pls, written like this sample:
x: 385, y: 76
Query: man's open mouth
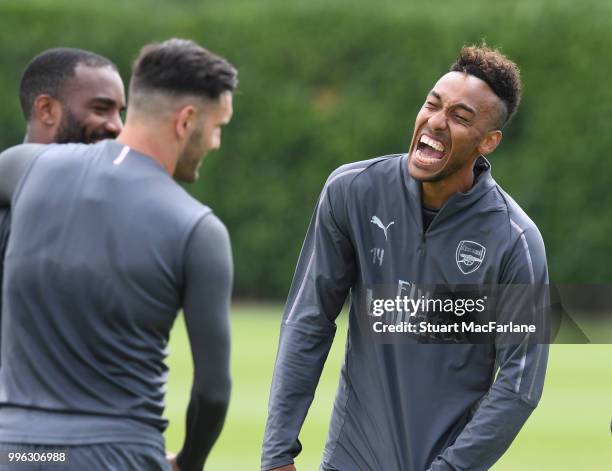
x: 429, y: 150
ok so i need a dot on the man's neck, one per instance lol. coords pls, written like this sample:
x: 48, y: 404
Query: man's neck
x: 151, y: 142
x: 37, y: 135
x: 435, y: 194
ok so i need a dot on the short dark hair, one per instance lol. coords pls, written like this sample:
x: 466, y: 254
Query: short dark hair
x: 182, y: 67
x: 48, y: 71
x: 494, y: 68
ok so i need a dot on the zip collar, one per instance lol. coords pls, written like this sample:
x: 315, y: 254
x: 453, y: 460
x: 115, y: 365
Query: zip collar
x: 459, y: 201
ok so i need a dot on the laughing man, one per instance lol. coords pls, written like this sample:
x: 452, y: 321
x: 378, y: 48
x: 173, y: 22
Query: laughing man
x: 414, y: 407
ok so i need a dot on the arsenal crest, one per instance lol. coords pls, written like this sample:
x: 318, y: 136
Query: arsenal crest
x: 469, y: 256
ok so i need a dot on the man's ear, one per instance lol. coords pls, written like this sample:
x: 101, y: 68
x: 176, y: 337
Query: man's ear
x: 47, y: 110
x: 185, y: 121
x: 490, y: 142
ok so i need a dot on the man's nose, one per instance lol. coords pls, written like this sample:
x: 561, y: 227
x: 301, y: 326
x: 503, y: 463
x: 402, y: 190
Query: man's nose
x: 437, y: 121
x: 114, y: 125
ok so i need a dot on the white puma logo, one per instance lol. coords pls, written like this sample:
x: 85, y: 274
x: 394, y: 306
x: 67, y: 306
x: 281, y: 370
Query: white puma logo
x: 376, y: 220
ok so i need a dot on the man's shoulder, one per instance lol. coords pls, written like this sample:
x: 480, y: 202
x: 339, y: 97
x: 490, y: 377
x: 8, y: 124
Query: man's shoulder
x: 169, y: 202
x: 521, y: 228
x: 140, y: 179
x: 348, y: 173
x: 16, y: 158
x: 22, y: 150
x: 189, y: 203
x: 516, y: 215
x: 14, y: 164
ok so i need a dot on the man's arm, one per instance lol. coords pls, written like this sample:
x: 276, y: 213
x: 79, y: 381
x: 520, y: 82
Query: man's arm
x: 5, y: 225
x: 520, y: 379
x: 206, y: 301
x: 324, y: 275
x: 14, y: 164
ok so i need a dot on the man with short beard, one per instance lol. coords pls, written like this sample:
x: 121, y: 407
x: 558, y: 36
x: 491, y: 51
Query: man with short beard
x: 67, y: 95
x: 105, y: 248
x: 433, y: 216
x: 71, y: 95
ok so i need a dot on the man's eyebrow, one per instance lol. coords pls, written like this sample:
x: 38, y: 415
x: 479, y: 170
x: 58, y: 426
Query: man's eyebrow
x: 102, y: 100
x: 463, y: 106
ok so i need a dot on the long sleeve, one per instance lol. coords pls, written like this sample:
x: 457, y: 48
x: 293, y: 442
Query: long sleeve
x: 324, y: 275
x: 206, y: 301
x: 14, y: 164
x: 521, y: 366
x: 5, y: 225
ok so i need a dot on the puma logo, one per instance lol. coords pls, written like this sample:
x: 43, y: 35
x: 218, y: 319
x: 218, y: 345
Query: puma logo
x: 376, y: 220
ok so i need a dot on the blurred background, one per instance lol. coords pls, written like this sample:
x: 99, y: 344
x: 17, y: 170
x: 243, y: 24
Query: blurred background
x: 326, y: 82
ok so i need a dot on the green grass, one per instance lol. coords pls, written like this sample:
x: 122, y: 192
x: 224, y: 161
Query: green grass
x: 570, y: 430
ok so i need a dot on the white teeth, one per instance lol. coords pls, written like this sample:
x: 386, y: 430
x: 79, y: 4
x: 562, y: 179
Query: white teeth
x: 425, y: 159
x: 432, y: 143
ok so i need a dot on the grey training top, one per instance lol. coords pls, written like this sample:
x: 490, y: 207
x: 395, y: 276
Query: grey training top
x: 104, y: 249
x: 5, y: 227
x: 404, y: 407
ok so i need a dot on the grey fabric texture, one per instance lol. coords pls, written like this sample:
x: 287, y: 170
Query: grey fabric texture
x: 100, y: 457
x: 404, y: 407
x: 103, y: 252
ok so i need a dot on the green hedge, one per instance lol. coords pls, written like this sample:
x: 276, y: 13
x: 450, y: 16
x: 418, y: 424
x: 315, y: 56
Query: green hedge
x: 324, y: 83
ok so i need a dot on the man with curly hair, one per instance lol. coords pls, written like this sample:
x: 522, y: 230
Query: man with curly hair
x: 433, y: 216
